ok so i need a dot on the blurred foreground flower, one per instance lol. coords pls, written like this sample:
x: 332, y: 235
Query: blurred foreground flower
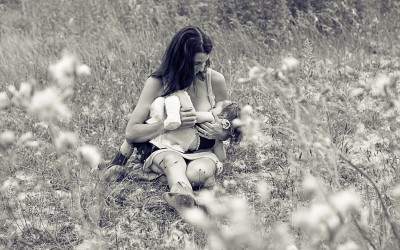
x: 4, y: 100
x: 254, y: 73
x: 22, y: 96
x: 7, y: 138
x: 10, y: 184
x: 66, y: 70
x: 66, y: 140
x: 48, y: 105
x: 249, y: 126
x: 288, y: 70
x: 89, y: 155
x: 346, y: 202
x: 310, y: 185
x: 350, y: 245
x: 380, y: 85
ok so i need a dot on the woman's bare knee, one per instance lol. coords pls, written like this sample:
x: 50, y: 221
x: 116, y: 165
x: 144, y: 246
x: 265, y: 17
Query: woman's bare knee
x: 200, y: 171
x: 172, y: 161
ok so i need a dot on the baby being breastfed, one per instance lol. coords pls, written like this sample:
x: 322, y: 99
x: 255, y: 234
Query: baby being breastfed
x: 187, y: 139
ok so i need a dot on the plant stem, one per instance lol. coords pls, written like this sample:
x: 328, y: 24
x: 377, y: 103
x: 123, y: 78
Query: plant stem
x: 385, y: 210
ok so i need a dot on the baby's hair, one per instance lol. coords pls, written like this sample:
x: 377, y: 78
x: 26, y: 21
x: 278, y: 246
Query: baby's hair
x: 230, y: 113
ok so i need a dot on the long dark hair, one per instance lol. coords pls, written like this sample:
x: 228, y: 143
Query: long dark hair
x: 177, y: 66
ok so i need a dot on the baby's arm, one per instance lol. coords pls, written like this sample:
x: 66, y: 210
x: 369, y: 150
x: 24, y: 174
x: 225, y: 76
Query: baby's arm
x: 204, y: 116
x: 207, y: 116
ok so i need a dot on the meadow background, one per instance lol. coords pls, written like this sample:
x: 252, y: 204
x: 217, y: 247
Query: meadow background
x: 319, y: 166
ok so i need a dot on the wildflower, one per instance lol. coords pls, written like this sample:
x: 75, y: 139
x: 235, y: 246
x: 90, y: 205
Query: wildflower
x: 90, y: 156
x: 316, y: 217
x: 25, y: 138
x: 7, y: 138
x: 350, y: 245
x: 83, y: 70
x: 289, y: 64
x: 291, y: 247
x: 310, y: 185
x: 25, y: 90
x: 228, y: 184
x: 48, y: 105
x: 263, y: 190
x: 255, y: 72
x: 66, y: 140
x: 32, y: 144
x: 346, y: 201
x: 396, y: 191
x: 238, y: 209
x: 64, y: 71
x: 197, y: 217
x: 4, y: 100
x: 10, y: 184
x: 379, y: 86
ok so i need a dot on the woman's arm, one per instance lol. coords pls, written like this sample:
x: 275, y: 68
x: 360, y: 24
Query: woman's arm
x: 136, y: 130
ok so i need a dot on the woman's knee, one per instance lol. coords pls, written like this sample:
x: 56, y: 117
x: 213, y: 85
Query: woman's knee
x: 172, y: 161
x: 200, y: 171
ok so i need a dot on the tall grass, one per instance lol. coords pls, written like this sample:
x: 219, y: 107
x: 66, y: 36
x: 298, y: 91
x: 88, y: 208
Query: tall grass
x: 316, y: 172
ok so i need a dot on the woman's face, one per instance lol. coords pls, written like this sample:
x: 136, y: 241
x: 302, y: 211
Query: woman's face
x: 200, y: 62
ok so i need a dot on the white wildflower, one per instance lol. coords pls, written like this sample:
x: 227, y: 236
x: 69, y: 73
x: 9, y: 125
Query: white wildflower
x: 10, y: 184
x: 289, y: 64
x: 7, y: 138
x: 396, y: 191
x: 25, y: 90
x: 356, y: 92
x: 228, y: 184
x: 24, y: 138
x: 310, y: 185
x: 32, y: 144
x: 291, y: 247
x: 89, y: 155
x: 64, y: 70
x: 263, y: 190
x: 83, y: 70
x: 350, y: 245
x: 66, y: 140
x: 48, y: 105
x: 238, y: 207
x: 197, y: 217
x: 4, y: 100
x: 12, y: 89
x: 247, y: 110
x: 380, y: 85
x: 346, y: 201
x: 255, y: 72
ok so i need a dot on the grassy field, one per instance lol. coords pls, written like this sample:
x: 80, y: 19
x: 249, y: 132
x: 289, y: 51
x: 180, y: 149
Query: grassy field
x: 319, y: 166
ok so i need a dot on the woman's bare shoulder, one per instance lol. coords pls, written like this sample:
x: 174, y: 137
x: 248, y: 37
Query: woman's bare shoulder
x: 217, y: 76
x: 219, y: 86
x: 153, y: 85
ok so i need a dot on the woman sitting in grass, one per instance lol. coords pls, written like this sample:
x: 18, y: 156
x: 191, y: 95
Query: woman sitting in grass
x: 185, y: 66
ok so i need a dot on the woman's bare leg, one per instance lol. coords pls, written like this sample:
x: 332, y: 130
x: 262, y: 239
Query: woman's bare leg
x: 201, y: 172
x: 173, y: 166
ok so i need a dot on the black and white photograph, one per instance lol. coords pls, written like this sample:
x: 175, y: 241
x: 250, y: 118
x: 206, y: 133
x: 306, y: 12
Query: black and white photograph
x: 207, y: 124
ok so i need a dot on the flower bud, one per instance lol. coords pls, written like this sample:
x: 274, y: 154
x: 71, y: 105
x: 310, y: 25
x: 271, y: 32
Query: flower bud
x: 90, y: 156
x: 4, y: 100
x: 7, y: 138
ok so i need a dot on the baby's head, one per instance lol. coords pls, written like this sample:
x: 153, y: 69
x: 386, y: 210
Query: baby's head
x: 230, y: 111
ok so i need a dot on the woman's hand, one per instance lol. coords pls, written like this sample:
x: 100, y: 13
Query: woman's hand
x: 188, y: 118
x: 212, y: 130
